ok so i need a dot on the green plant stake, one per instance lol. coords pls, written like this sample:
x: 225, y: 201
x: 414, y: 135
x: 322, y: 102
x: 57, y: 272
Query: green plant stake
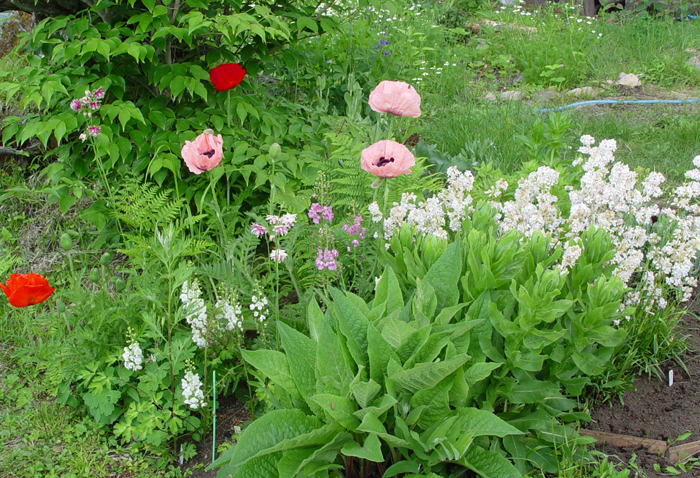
x: 213, y: 433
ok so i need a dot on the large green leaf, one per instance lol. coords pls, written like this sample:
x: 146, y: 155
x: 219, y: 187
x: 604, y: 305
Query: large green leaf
x: 314, y: 319
x: 488, y: 464
x: 275, y: 366
x: 430, y: 349
x: 372, y: 424
x: 340, y: 409
x: 378, y: 407
x: 364, y: 392
x: 290, y: 466
x: 427, y: 375
x: 444, y: 276
x: 371, y: 450
x: 268, y: 431
x: 436, y: 401
x: 353, y: 325
x: 388, y: 290
x: 379, y: 352
x: 413, y: 342
x: 481, y: 422
x: 334, y: 374
x: 301, y: 355
x: 264, y: 466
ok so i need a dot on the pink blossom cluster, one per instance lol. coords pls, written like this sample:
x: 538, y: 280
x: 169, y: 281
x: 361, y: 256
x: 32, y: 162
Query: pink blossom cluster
x: 327, y: 259
x: 280, y: 225
x: 89, y: 102
x: 326, y: 212
x: 355, y: 229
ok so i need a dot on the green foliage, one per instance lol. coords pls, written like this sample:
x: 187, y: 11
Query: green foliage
x: 144, y: 206
x: 379, y: 383
x: 542, y: 333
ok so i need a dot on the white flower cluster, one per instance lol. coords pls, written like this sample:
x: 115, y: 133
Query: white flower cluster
x: 661, y: 244
x: 429, y: 217
x: 133, y: 357
x: 195, y: 312
x: 259, y: 307
x: 533, y: 208
x: 192, y: 391
x: 229, y: 314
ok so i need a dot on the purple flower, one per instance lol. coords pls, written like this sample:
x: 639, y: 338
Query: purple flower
x: 99, y: 93
x: 75, y: 105
x: 313, y: 212
x: 94, y: 130
x: 385, y: 53
x: 327, y: 213
x: 94, y: 105
x: 326, y: 259
x: 258, y: 230
x: 383, y: 42
x: 272, y: 219
x: 355, y: 243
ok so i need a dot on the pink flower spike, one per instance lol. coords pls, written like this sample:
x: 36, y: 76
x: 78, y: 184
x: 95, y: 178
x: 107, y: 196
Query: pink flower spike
x: 280, y: 229
x: 278, y: 255
x: 395, y: 97
x: 387, y: 159
x: 75, y: 105
x: 204, y: 153
x: 258, y: 230
x: 94, y: 130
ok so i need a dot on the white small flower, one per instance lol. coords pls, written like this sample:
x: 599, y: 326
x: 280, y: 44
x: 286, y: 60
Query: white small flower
x: 192, y: 391
x: 133, y: 357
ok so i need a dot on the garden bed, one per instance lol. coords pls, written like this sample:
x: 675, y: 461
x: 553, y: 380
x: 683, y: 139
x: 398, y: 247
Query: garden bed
x: 655, y: 411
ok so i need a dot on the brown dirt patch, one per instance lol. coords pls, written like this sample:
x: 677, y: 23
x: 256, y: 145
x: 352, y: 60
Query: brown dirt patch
x: 656, y: 410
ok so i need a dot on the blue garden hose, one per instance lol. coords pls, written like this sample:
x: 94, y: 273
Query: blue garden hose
x: 619, y: 102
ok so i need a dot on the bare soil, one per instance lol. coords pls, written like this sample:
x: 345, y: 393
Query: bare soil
x: 655, y: 410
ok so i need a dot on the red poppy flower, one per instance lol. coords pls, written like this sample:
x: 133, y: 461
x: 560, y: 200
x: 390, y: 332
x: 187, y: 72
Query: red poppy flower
x: 27, y: 289
x: 226, y: 76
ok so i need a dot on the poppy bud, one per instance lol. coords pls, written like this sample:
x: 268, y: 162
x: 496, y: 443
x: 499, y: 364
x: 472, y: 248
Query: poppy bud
x: 275, y: 150
x: 106, y: 258
x: 94, y: 275
x: 66, y: 242
x: 60, y: 306
x: 119, y: 284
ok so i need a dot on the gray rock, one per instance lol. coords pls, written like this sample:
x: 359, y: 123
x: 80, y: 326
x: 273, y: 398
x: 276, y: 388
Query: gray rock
x: 628, y: 80
x: 489, y: 97
x: 544, y: 95
x: 695, y: 62
x: 512, y: 95
x: 584, y: 92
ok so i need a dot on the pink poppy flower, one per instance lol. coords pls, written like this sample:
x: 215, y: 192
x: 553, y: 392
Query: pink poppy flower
x: 387, y: 159
x: 395, y: 97
x: 204, y: 153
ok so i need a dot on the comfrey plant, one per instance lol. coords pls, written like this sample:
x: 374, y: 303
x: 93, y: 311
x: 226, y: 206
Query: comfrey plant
x: 378, y: 387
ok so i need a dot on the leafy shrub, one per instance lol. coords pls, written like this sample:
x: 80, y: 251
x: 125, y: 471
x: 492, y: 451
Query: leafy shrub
x: 152, y: 60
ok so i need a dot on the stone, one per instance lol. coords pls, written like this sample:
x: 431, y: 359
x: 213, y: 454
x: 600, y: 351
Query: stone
x: 512, y: 95
x: 628, y: 80
x: 11, y: 25
x: 489, y: 97
x: 584, y: 92
x: 694, y: 62
x: 544, y: 95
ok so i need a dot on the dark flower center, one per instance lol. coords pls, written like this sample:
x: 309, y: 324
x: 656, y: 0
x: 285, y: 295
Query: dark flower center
x: 384, y: 161
x: 208, y: 154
